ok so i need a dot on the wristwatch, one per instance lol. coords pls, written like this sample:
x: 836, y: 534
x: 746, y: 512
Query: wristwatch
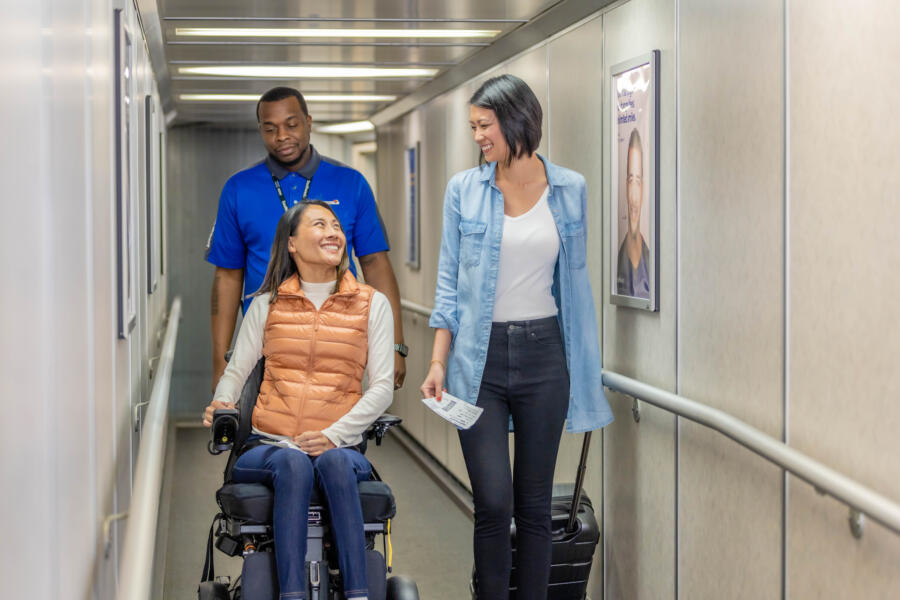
x: 401, y: 349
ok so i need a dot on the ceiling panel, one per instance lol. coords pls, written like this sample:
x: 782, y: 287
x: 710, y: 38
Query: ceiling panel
x: 294, y: 53
x: 440, y: 54
x: 361, y: 9
x: 309, y: 86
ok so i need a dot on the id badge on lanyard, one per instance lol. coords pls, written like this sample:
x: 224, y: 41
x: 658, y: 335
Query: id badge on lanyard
x: 281, y: 193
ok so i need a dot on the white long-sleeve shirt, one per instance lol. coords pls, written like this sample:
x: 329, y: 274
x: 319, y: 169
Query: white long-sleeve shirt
x: 348, y: 430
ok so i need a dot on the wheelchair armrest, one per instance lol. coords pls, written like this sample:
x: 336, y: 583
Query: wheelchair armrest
x: 380, y: 426
x: 224, y: 430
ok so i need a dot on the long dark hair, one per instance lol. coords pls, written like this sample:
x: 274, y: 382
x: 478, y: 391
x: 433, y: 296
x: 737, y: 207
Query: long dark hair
x: 281, y: 264
x: 518, y: 113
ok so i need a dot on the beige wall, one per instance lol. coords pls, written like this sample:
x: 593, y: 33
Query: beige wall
x: 844, y: 192
x: 731, y: 295
x: 772, y: 116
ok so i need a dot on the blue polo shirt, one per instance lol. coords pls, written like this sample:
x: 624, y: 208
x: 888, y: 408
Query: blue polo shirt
x: 249, y: 210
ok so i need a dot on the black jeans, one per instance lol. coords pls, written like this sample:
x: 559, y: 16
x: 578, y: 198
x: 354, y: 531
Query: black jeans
x: 525, y: 377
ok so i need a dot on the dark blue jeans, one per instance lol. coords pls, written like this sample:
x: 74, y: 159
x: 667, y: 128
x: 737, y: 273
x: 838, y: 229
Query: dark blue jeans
x: 526, y: 378
x: 292, y: 474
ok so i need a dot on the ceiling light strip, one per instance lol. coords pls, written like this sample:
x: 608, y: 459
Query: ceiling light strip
x: 407, y: 44
x: 352, y: 127
x: 241, y: 63
x: 344, y: 20
x: 301, y: 81
x: 224, y: 97
x: 336, y: 33
x: 302, y: 72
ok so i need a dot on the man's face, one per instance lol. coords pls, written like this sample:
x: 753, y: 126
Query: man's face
x: 634, y: 186
x: 285, y: 129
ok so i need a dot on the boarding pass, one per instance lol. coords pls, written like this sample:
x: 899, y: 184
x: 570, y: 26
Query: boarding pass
x: 460, y: 413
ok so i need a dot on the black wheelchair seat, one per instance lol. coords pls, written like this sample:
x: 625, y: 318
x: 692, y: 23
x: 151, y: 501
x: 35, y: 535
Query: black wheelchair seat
x: 244, y: 525
x: 251, y: 503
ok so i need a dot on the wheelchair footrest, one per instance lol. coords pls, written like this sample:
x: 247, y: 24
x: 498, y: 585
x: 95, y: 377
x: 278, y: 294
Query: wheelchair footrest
x: 259, y: 579
x: 213, y: 590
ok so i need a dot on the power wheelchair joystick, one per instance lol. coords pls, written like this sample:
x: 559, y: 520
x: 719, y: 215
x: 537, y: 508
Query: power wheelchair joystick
x: 224, y: 430
x: 380, y: 427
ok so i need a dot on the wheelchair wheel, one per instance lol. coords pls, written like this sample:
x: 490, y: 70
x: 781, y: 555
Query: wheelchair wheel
x: 402, y: 588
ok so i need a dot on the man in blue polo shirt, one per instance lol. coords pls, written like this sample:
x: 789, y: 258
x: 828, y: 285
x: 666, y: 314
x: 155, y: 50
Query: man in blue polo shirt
x: 253, y: 201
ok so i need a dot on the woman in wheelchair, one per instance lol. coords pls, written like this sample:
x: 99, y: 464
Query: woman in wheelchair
x: 319, y: 331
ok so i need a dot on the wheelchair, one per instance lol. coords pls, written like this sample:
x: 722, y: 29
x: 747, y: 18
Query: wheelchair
x: 244, y: 524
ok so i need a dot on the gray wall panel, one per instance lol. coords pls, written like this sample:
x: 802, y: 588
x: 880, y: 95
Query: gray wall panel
x: 574, y: 141
x: 639, y: 468
x: 460, y: 150
x: 460, y: 153
x: 639, y: 518
x: 389, y: 166
x: 433, y: 178
x: 103, y: 278
x: 392, y: 142
x: 636, y: 342
x: 575, y: 101
x: 731, y: 297
x: 531, y: 67
x: 845, y: 281
x: 200, y: 160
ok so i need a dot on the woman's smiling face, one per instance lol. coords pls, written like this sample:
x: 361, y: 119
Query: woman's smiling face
x: 319, y: 240
x: 487, y: 133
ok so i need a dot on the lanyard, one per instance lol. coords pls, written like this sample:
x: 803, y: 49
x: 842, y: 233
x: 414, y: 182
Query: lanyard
x: 281, y: 194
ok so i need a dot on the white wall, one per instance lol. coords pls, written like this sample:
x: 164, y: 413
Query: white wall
x: 777, y: 169
x: 69, y: 383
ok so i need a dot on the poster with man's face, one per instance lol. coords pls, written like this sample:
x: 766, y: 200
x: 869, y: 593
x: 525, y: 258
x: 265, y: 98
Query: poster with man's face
x: 634, y: 105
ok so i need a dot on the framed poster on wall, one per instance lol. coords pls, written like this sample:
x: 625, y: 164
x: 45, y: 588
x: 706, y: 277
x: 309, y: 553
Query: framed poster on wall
x: 162, y: 198
x: 411, y: 180
x: 634, y: 198
x: 126, y: 212
x: 154, y: 223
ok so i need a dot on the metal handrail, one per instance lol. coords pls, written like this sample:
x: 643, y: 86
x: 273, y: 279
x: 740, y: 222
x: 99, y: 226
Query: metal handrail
x: 824, y: 479
x: 415, y: 308
x: 140, y: 535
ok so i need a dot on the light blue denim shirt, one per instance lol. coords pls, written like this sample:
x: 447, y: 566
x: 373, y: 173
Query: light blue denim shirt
x: 467, y: 280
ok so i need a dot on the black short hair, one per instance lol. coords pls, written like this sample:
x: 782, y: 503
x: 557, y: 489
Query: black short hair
x: 518, y: 112
x: 280, y: 93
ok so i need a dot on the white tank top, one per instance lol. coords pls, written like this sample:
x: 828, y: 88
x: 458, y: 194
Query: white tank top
x: 528, y: 252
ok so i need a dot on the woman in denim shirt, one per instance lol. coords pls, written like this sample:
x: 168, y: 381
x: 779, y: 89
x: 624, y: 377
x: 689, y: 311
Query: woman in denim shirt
x: 516, y: 331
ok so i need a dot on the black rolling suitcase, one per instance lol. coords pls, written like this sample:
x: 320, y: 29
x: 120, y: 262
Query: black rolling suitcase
x: 575, y: 537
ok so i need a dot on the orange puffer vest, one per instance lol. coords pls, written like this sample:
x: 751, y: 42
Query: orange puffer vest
x: 315, y: 359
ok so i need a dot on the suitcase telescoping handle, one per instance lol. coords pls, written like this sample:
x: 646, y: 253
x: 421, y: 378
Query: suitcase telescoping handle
x: 579, y: 482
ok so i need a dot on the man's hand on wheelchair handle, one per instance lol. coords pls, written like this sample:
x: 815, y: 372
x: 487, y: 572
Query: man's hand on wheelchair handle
x: 399, y: 370
x: 208, y: 413
x: 313, y: 443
